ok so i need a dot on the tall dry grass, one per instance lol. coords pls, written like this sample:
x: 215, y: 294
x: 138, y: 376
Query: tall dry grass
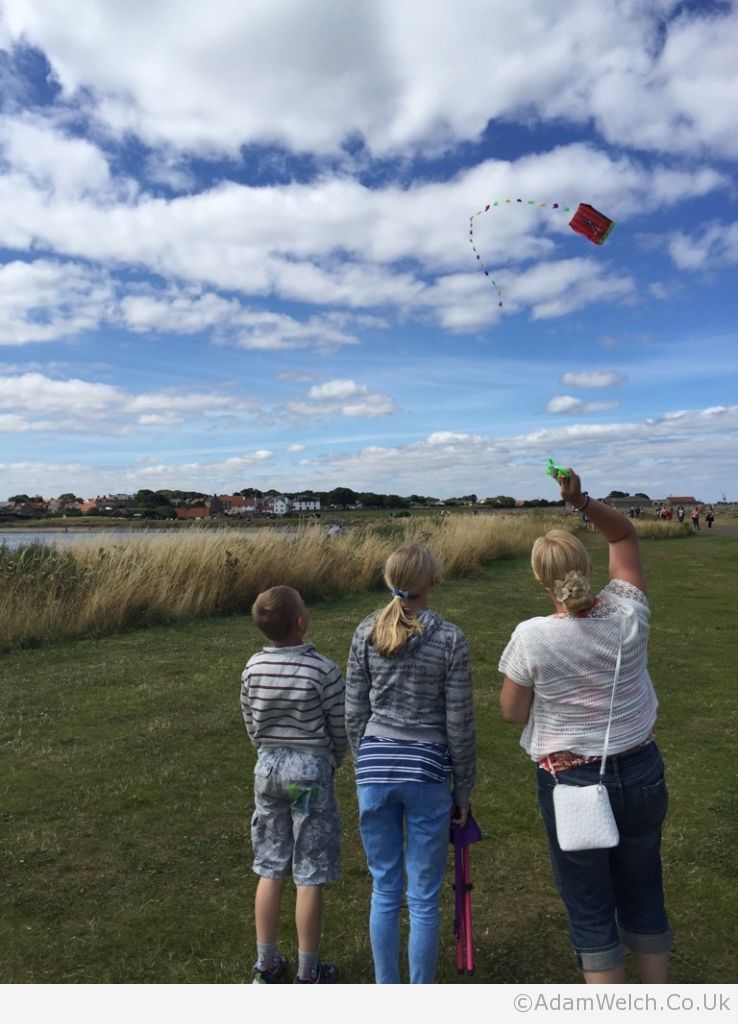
x: 92, y: 589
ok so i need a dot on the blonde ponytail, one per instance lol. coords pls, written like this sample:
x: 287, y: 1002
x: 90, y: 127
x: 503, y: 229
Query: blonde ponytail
x: 408, y: 572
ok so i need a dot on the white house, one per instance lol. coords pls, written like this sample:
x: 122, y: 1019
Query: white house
x: 280, y: 505
x: 304, y: 504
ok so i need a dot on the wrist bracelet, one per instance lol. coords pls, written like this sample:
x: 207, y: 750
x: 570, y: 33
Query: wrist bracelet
x: 586, y: 502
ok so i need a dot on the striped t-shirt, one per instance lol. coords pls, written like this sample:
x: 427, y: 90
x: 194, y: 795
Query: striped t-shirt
x: 384, y: 760
x: 294, y: 697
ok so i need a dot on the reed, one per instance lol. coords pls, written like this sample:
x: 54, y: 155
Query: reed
x: 94, y: 588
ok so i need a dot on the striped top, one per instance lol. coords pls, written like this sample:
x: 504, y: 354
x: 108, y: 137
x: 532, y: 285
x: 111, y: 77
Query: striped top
x: 294, y: 697
x: 385, y: 760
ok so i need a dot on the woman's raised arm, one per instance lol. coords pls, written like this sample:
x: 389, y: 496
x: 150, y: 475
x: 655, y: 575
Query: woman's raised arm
x: 617, y: 529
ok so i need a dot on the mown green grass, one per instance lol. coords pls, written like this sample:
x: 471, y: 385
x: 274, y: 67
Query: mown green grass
x: 125, y: 794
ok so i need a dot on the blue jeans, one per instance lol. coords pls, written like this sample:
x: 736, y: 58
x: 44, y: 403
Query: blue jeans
x: 615, y: 896
x: 405, y: 828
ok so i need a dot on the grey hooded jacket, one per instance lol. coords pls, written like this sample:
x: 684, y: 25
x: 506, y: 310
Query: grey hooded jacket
x: 423, y: 692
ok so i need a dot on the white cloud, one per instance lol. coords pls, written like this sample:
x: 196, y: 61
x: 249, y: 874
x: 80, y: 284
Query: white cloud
x: 337, y: 243
x: 337, y: 389
x: 716, y: 244
x: 593, y: 379
x: 341, y: 398
x: 576, y: 407
x: 681, y: 450
x: 63, y: 165
x: 52, y: 478
x: 309, y: 77
x: 78, y: 406
x: 45, y: 300
x: 296, y: 447
x: 663, y: 454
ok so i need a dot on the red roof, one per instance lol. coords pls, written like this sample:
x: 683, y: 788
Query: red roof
x: 191, y: 513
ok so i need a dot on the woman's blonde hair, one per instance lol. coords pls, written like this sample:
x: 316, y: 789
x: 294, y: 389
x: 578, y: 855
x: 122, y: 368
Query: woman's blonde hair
x: 561, y: 563
x: 408, y: 571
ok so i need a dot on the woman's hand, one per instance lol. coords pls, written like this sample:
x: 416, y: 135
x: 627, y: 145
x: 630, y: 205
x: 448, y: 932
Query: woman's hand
x: 571, y: 489
x: 460, y: 816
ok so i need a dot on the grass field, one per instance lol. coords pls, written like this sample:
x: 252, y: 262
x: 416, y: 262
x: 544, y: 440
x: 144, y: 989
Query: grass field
x: 125, y: 794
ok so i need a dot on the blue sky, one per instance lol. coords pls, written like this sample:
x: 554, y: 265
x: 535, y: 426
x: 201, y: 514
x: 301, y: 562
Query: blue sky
x: 234, y: 246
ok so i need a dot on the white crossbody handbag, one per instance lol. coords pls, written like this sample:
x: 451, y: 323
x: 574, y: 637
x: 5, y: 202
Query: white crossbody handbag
x: 584, y: 818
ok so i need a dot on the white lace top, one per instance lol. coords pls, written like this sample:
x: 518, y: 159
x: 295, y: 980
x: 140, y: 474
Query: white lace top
x: 570, y: 663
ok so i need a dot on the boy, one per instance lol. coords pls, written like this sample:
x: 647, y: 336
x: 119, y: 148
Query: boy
x: 292, y: 699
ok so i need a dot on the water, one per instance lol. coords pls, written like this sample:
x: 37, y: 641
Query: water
x: 19, y: 538
x: 89, y: 535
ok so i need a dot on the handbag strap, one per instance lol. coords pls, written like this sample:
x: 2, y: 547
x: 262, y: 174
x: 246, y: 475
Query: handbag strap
x: 612, y: 697
x: 612, y: 704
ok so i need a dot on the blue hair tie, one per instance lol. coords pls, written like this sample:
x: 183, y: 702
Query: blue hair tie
x: 396, y: 592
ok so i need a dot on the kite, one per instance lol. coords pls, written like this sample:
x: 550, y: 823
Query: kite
x: 586, y: 221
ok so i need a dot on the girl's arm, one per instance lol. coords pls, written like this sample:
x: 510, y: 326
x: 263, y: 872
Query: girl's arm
x: 617, y: 529
x: 357, y: 702
x: 460, y: 726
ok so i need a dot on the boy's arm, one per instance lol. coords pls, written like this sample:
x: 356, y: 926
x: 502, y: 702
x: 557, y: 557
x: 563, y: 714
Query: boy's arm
x: 333, y: 702
x: 358, y: 685
x: 246, y: 707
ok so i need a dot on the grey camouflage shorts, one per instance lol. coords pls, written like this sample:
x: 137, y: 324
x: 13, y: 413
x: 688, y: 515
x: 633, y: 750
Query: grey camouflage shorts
x: 295, y: 829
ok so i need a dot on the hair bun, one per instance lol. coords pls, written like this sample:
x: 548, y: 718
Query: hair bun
x: 574, y: 591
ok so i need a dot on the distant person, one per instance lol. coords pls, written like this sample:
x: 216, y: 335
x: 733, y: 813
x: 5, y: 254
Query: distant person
x: 681, y: 513
x: 710, y: 516
x: 632, y: 511
x: 695, y: 517
x: 559, y: 678
x: 638, y: 511
x: 410, y: 724
x: 292, y: 698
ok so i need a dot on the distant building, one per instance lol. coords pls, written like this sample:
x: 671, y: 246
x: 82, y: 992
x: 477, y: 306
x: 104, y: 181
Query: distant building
x: 192, y: 513
x: 303, y: 503
x: 237, y: 505
x: 279, y: 506
x: 675, y: 502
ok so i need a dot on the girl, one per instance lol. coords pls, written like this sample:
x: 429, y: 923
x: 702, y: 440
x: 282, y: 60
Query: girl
x: 410, y: 725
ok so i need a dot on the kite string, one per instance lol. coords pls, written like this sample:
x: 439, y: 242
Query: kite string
x: 489, y: 206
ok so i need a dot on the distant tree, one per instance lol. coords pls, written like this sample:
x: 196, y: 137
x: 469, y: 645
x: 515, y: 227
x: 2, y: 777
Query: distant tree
x: 371, y: 500
x: 19, y: 499
x: 146, y: 499
x: 396, y: 501
x: 68, y: 496
x: 541, y: 503
x: 469, y: 499
x: 641, y: 495
x: 619, y: 494
x: 422, y: 499
x: 183, y: 495
x: 250, y: 492
x: 342, y: 496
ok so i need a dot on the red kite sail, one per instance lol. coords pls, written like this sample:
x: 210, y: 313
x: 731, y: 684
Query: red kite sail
x: 591, y: 223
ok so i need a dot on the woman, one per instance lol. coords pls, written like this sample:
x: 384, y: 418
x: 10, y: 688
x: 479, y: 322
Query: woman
x: 410, y: 725
x: 559, y: 673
